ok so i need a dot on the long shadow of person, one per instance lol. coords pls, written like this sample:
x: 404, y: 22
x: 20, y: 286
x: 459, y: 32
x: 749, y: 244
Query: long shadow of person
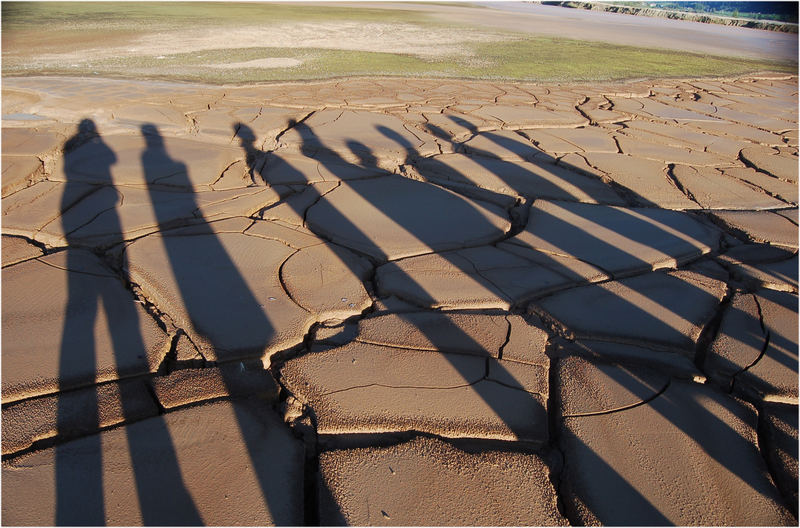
x: 79, y: 483
x: 216, y: 298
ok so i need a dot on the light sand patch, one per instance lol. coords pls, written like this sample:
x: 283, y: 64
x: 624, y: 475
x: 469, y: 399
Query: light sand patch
x: 274, y: 62
x: 425, y: 42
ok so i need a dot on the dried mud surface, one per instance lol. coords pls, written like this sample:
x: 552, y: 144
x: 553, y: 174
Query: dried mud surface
x: 387, y: 301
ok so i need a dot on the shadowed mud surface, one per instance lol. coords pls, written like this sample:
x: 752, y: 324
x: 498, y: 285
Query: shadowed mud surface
x: 386, y: 301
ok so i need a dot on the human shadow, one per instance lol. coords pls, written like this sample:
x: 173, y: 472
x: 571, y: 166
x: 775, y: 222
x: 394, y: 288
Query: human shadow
x: 568, y: 234
x: 222, y: 310
x: 80, y: 498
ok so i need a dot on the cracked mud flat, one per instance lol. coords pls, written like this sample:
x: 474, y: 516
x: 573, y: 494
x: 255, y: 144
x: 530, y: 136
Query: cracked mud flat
x: 387, y: 301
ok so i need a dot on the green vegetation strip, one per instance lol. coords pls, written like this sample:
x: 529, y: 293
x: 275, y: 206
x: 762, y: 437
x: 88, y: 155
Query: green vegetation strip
x: 551, y: 59
x: 533, y: 59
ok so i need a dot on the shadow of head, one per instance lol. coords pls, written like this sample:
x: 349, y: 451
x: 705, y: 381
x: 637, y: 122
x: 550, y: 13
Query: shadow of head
x: 365, y: 156
x: 438, y: 131
x: 87, y: 128
x: 472, y: 127
x: 396, y: 137
x: 245, y: 133
x: 85, y: 132
x: 152, y: 136
x: 443, y: 134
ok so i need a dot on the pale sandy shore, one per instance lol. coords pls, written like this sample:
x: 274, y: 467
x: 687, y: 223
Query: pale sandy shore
x: 391, y: 302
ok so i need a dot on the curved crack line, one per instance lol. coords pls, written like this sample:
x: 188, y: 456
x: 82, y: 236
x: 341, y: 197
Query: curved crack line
x: 163, y: 177
x: 476, y: 191
x: 276, y: 238
x: 607, y: 273
x: 416, y: 349
x: 24, y: 260
x: 282, y: 282
x: 764, y: 348
x: 624, y: 407
x: 509, y: 386
x: 245, y: 193
x: 367, y: 385
x: 62, y: 268
x: 789, y: 219
x: 767, y: 336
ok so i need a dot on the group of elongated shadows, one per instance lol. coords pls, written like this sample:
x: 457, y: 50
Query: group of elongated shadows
x: 80, y: 491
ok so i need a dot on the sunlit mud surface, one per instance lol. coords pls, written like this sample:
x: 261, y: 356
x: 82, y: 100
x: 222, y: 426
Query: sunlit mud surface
x: 387, y: 301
